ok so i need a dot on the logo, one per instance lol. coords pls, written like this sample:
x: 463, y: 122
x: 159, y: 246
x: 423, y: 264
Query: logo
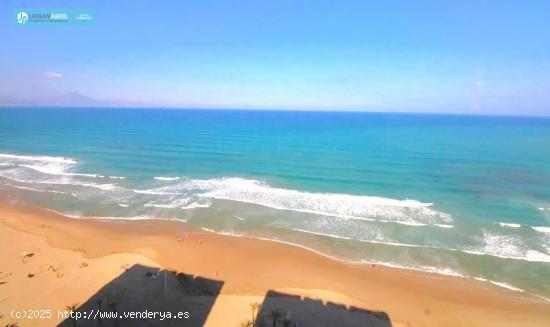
x: 52, y: 17
x: 22, y: 17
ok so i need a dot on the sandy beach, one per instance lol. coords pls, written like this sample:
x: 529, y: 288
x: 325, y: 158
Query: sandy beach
x: 275, y: 163
x: 50, y: 262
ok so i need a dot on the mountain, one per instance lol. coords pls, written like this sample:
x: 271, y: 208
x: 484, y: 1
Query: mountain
x: 70, y: 99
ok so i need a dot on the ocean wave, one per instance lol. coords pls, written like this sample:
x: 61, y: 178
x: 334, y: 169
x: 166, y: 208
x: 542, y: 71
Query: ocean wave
x: 431, y: 269
x: 542, y: 229
x: 444, y: 225
x: 57, y: 170
x: 104, y: 187
x: 46, y: 170
x: 436, y: 270
x: 321, y: 234
x: 423, y: 268
x: 153, y: 192
x: 510, y: 225
x: 41, y: 164
x: 37, y: 190
x: 153, y: 205
x: 507, y: 247
x: 36, y: 158
x: 500, y: 284
x: 366, y: 241
x: 190, y: 202
x: 137, y: 218
x: 162, y: 178
x: 186, y: 194
x: 408, y: 223
x: 196, y: 206
x: 346, y: 206
x: 410, y: 212
x: 513, y: 252
x: 143, y: 217
x: 61, y: 170
x: 506, y: 285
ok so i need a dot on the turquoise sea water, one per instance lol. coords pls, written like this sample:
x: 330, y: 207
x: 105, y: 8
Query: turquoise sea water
x: 460, y: 195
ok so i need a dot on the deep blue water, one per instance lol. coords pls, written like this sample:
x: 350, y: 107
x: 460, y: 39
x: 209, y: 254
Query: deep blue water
x: 465, y: 195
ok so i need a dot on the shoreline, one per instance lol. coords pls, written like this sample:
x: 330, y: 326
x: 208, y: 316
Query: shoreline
x: 250, y: 268
x: 436, y: 271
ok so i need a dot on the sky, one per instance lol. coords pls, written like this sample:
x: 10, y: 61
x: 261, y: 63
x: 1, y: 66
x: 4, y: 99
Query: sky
x: 480, y: 57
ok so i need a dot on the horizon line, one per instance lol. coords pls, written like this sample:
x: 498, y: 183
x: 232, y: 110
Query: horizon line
x: 280, y: 110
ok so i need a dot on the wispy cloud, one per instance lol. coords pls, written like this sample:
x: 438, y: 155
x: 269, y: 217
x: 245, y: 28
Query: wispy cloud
x: 53, y: 75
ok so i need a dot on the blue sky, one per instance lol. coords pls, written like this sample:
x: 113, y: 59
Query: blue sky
x: 417, y: 56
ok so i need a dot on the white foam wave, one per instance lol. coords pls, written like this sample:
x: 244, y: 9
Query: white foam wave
x: 196, y: 206
x: 500, y: 284
x: 104, y: 187
x: 153, y: 205
x: 181, y: 202
x: 423, y: 268
x: 56, y: 170
x: 507, y: 286
x: 37, y: 190
x: 369, y: 241
x: 408, y: 223
x: 510, y: 225
x: 138, y: 218
x: 507, y: 247
x: 163, y: 178
x: 321, y: 234
x: 370, y: 208
x: 144, y: 217
x: 430, y: 269
x: 490, y: 249
x: 542, y: 229
x: 153, y: 192
x: 124, y: 205
x: 46, y: 170
x: 37, y: 158
x: 409, y: 212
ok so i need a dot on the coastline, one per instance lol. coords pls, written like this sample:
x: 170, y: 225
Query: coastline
x: 249, y: 269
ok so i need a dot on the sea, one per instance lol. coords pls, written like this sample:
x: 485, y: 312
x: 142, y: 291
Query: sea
x: 458, y: 195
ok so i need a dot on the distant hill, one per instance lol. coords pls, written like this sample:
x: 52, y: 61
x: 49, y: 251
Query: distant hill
x: 70, y: 99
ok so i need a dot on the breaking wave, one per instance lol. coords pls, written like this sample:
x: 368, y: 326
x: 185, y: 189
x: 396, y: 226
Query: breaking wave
x: 409, y: 212
x: 175, y: 197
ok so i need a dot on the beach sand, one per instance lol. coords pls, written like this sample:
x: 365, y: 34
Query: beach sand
x: 168, y: 265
